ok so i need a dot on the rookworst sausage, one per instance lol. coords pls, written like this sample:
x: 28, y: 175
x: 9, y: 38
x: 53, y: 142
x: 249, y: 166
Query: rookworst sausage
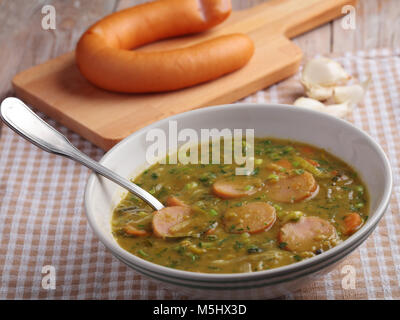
x: 168, y: 217
x: 292, y: 189
x: 308, y: 234
x: 252, y: 218
x: 237, y: 188
x: 105, y: 57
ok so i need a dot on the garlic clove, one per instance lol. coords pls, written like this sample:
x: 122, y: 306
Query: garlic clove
x: 318, y: 92
x: 339, y: 110
x: 323, y: 72
x: 353, y: 94
x: 309, y: 103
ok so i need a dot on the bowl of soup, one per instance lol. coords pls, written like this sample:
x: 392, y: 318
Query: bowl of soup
x: 259, y: 199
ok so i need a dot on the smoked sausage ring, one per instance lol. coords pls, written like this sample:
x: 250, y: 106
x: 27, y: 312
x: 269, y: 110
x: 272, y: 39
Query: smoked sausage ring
x: 105, y: 57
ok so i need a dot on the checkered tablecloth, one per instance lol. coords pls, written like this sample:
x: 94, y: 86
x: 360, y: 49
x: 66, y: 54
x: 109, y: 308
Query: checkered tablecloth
x: 42, y: 219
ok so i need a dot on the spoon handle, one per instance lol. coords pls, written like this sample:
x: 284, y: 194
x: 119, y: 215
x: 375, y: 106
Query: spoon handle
x: 26, y: 123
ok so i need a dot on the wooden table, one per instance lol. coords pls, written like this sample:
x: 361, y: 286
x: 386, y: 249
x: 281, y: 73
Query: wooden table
x: 24, y: 43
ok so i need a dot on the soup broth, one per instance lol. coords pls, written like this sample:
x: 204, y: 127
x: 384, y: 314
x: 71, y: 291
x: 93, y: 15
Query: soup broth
x: 298, y: 202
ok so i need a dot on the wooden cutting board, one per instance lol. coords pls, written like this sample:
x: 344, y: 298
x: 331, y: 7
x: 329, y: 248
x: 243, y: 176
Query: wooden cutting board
x: 58, y: 89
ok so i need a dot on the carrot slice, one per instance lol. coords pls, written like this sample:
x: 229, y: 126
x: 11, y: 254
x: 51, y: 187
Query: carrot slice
x: 314, y: 163
x: 306, y: 149
x: 212, y: 229
x: 284, y: 163
x: 173, y: 201
x: 168, y: 217
x: 307, y: 234
x: 236, y: 188
x: 252, y: 218
x: 132, y: 230
x: 352, y: 223
x: 293, y: 188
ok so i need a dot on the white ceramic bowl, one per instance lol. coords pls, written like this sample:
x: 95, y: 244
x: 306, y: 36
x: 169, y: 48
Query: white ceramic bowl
x: 336, y: 136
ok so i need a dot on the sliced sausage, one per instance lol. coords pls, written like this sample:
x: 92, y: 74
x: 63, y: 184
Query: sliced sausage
x: 173, y: 201
x: 293, y: 188
x: 284, y: 163
x: 168, y: 217
x: 307, y: 234
x: 252, y: 218
x: 236, y: 187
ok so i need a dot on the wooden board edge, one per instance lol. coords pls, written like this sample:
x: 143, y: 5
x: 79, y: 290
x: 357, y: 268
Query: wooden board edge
x: 104, y: 143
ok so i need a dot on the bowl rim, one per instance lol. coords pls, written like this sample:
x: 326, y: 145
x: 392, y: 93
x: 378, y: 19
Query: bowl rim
x: 248, y: 276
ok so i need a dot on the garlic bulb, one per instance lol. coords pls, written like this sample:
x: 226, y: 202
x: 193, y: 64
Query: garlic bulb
x: 322, y: 79
x: 320, y: 75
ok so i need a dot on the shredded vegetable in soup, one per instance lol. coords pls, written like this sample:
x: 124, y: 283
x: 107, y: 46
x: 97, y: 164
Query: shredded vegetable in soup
x: 298, y: 202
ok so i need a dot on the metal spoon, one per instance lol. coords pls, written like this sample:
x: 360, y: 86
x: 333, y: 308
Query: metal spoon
x: 26, y: 123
